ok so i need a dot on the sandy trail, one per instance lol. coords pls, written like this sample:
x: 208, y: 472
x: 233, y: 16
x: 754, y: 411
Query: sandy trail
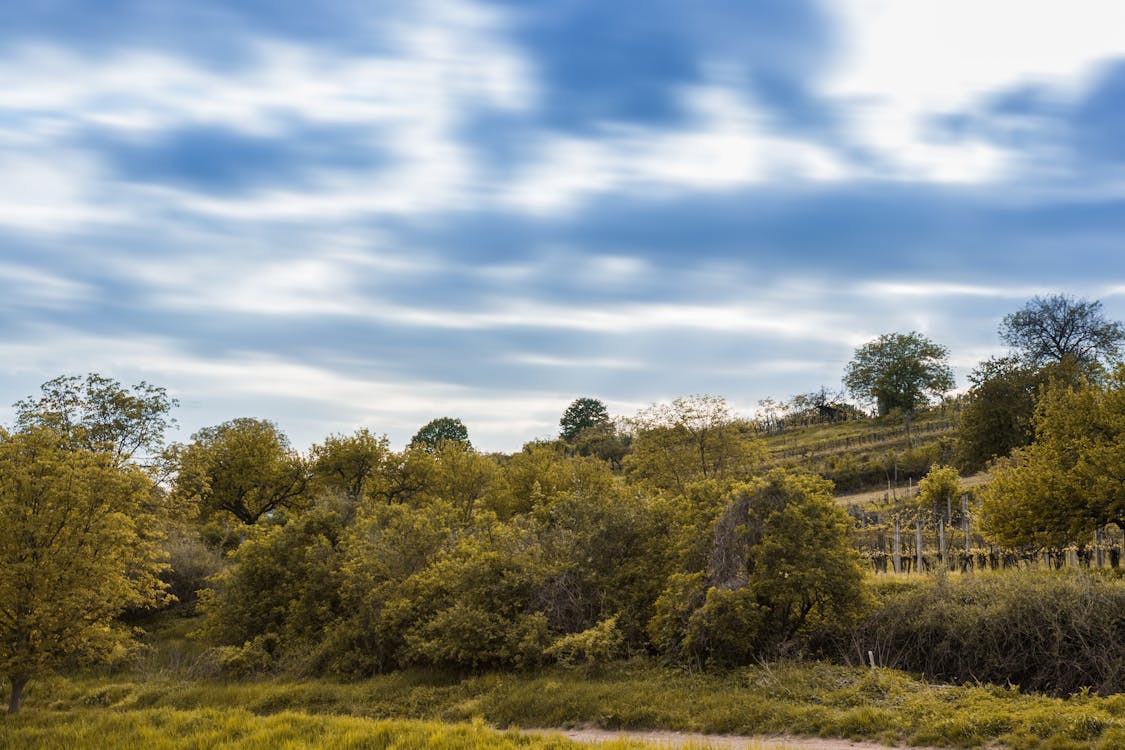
x: 684, y: 739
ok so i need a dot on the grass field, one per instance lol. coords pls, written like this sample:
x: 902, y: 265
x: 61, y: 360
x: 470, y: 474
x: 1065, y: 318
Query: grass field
x: 238, y: 729
x: 811, y: 699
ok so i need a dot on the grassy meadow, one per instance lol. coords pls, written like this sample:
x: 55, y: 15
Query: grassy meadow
x: 431, y: 709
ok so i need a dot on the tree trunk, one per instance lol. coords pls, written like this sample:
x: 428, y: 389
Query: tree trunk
x: 16, y: 699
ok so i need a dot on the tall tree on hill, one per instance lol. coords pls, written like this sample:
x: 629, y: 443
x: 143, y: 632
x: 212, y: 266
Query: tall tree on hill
x: 441, y: 430
x: 583, y: 414
x: 899, y: 371
x: 1052, y: 329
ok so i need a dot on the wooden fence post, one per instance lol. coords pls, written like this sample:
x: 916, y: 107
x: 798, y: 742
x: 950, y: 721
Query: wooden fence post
x: 941, y: 542
x: 965, y: 518
x: 918, y: 545
x: 897, y: 546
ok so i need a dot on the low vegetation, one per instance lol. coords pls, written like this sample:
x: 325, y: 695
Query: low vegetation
x: 238, y: 729
x: 812, y: 698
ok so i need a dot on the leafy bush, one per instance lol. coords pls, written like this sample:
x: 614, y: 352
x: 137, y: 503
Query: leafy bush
x: 781, y: 562
x: 595, y: 646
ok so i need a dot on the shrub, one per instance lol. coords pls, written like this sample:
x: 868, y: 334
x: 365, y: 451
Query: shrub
x: 1057, y: 632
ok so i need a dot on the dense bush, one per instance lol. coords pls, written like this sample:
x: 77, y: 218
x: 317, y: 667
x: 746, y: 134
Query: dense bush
x: 1057, y: 632
x: 780, y: 562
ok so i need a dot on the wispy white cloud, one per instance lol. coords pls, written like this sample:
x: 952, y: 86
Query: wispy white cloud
x: 25, y: 287
x: 583, y: 363
x: 909, y: 289
x: 727, y: 143
x: 904, y: 63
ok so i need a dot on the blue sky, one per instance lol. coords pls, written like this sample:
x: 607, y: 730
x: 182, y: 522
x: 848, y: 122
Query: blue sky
x: 370, y: 214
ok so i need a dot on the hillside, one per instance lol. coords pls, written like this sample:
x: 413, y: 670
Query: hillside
x: 863, y: 455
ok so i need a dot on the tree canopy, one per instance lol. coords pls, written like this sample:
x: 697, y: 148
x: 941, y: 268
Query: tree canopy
x: 582, y: 414
x: 76, y: 550
x: 899, y: 371
x: 997, y: 415
x: 98, y: 413
x: 1060, y: 326
x: 1070, y: 481
x: 244, y: 467
x: 349, y: 463
x: 690, y: 439
x: 437, y: 431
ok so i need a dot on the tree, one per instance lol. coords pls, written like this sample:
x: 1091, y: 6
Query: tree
x: 582, y: 414
x: 899, y: 371
x: 76, y: 550
x: 1070, y: 481
x: 692, y: 438
x: 997, y: 416
x: 937, y: 489
x: 462, y: 476
x: 437, y: 431
x: 1053, y: 328
x: 244, y: 467
x: 349, y: 463
x: 97, y: 413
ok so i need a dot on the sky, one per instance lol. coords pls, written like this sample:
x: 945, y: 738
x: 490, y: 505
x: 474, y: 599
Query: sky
x: 338, y: 214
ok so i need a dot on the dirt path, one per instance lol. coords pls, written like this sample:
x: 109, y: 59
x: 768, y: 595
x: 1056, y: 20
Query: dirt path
x: 683, y: 739
x: 863, y: 499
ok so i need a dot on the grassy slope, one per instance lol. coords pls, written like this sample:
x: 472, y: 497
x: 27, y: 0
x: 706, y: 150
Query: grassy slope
x: 816, y: 448
x: 811, y: 699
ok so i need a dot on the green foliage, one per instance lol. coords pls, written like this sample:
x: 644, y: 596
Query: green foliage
x: 603, y: 442
x: 382, y: 552
x: 999, y: 412
x: 899, y: 371
x: 243, y: 467
x: 1071, y: 480
x: 540, y: 474
x: 96, y: 413
x: 997, y: 416
x: 77, y: 548
x: 582, y: 414
x: 239, y: 729
x: 781, y: 560
x: 690, y: 439
x: 349, y: 464
x: 441, y: 430
x: 1060, y: 327
x: 938, y: 489
x: 1053, y: 632
x: 473, y: 603
x: 462, y: 476
x: 279, y: 596
x: 191, y: 562
x: 596, y: 646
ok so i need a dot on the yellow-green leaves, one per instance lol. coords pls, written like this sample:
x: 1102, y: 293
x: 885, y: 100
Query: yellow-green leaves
x: 76, y: 549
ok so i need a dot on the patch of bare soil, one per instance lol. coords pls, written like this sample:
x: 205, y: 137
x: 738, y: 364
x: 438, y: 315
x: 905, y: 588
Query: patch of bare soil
x: 674, y: 740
